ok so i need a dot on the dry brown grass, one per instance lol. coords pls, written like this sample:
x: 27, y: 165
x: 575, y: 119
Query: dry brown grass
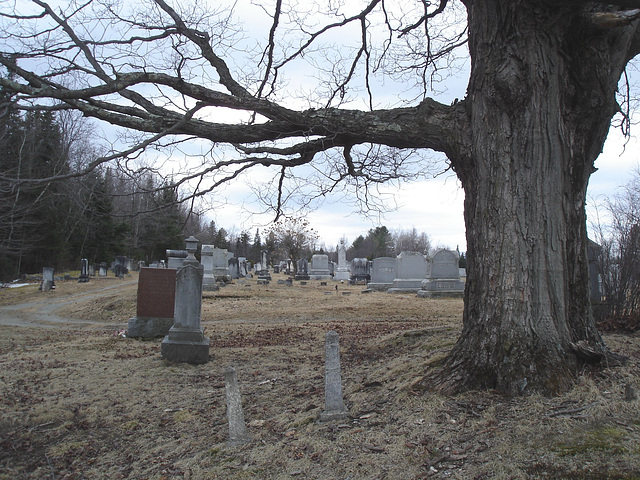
x: 78, y: 402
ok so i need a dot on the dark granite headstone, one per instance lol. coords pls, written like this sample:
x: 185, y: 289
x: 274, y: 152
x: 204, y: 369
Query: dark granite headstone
x: 156, y: 302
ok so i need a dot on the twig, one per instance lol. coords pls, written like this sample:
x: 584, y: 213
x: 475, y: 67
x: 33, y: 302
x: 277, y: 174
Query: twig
x: 569, y: 411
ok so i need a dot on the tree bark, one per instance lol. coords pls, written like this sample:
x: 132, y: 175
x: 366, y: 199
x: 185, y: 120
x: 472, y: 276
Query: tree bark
x: 539, y: 113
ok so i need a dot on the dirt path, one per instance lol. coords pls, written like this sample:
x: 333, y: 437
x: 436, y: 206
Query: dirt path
x: 41, y: 312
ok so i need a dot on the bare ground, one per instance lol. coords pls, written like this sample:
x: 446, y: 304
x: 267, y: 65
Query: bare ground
x: 77, y: 400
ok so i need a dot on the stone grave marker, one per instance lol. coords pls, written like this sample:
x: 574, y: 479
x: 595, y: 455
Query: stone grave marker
x: 234, y: 268
x: 383, y: 271
x: 444, y: 279
x: 411, y: 270
x: 319, y: 268
x: 360, y: 271
x: 235, y: 416
x: 206, y: 258
x: 342, y: 272
x: 334, y: 403
x: 120, y: 266
x: 302, y: 272
x: 185, y: 342
x: 156, y: 303
x: 47, y: 279
x: 175, y: 258
x: 84, y: 271
x: 220, y: 265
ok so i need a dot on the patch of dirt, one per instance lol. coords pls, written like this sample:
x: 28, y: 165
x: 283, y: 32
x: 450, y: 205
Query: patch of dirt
x: 80, y: 401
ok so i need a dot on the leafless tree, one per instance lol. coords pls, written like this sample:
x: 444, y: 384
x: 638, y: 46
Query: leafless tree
x: 619, y: 258
x: 539, y: 103
x: 294, y: 237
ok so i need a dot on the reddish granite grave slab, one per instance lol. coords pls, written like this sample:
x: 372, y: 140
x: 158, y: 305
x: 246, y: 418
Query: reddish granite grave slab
x: 156, y: 292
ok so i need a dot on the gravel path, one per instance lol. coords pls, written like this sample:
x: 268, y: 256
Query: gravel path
x: 42, y: 312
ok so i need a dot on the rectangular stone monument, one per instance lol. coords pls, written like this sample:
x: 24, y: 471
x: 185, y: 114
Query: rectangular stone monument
x: 360, y: 271
x: 262, y: 268
x: 120, y: 266
x: 175, y: 258
x: 185, y: 342
x: 47, y: 279
x: 234, y: 268
x: 334, y: 403
x: 84, y: 271
x: 342, y: 272
x: 235, y: 416
x: 242, y: 267
x: 156, y: 303
x: 302, y: 273
x: 206, y: 258
x: 411, y: 270
x: 383, y: 271
x: 319, y: 268
x: 220, y: 265
x: 444, y: 279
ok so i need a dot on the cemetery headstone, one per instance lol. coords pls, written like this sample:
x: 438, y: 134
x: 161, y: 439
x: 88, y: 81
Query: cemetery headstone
x: 120, y: 266
x: 47, y: 279
x: 444, y: 279
x: 220, y: 265
x: 234, y: 268
x: 235, y: 416
x: 360, y: 271
x: 175, y: 258
x: 156, y: 303
x: 102, y: 272
x: 242, y: 267
x: 342, y: 270
x: 334, y: 403
x: 185, y: 342
x: 411, y: 270
x: 320, y: 268
x: 263, y: 269
x: 84, y: 271
x: 383, y: 271
x: 206, y: 258
x: 302, y: 272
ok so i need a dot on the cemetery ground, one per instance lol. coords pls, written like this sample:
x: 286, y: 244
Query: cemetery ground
x: 79, y: 400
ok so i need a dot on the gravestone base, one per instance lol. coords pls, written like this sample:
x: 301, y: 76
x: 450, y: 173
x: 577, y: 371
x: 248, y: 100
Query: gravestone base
x: 46, y: 285
x: 302, y: 277
x: 210, y: 287
x: 379, y: 287
x: 441, y: 294
x: 442, y: 288
x: 406, y: 285
x: 319, y: 274
x: 264, y: 275
x: 342, y: 273
x: 332, y: 416
x: 148, y: 327
x: 185, y: 347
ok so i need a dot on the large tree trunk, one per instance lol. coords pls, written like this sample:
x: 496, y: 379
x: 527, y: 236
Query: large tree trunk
x: 539, y: 114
